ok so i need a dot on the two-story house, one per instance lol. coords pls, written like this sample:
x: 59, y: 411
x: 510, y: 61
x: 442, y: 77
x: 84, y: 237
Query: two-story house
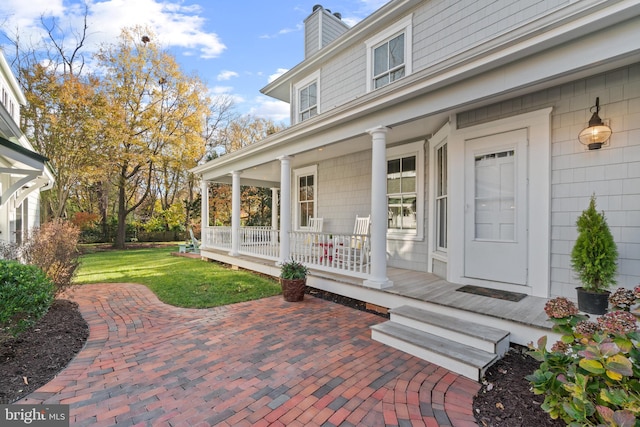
x: 454, y: 126
x: 23, y: 172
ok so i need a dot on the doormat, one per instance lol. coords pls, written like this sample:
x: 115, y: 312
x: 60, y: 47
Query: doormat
x: 492, y: 293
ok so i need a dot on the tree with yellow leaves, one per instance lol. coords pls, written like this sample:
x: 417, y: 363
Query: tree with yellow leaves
x: 156, y: 119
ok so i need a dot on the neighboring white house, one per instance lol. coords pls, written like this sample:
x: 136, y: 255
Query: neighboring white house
x: 455, y: 126
x: 23, y: 172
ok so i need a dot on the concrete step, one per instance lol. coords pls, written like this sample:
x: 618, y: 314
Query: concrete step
x: 491, y: 340
x: 460, y: 358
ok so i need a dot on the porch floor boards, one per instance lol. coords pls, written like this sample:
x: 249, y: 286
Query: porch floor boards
x: 430, y: 288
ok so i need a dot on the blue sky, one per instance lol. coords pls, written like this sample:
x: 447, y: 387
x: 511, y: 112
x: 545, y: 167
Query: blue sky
x: 235, y: 46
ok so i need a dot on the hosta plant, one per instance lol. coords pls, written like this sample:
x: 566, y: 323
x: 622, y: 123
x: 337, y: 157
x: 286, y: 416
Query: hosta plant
x: 591, y: 376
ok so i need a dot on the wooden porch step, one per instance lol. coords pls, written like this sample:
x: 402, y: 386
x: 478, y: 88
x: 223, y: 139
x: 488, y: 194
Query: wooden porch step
x: 461, y: 346
x: 476, y: 335
x: 460, y: 358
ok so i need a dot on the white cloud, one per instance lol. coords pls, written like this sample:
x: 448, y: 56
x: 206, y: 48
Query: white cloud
x: 218, y: 90
x: 283, y: 31
x: 226, y: 75
x: 278, y: 73
x: 175, y: 24
x: 269, y: 108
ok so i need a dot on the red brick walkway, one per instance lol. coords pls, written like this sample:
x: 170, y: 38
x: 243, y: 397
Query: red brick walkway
x: 265, y: 362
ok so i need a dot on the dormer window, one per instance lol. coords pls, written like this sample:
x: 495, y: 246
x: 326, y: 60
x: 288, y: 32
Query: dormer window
x: 307, y: 100
x: 389, y: 54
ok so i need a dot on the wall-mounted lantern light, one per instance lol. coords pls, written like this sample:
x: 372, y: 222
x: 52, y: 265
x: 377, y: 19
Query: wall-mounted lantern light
x: 597, y: 133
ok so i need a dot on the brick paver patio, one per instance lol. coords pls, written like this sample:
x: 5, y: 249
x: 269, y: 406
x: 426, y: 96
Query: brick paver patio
x: 265, y: 362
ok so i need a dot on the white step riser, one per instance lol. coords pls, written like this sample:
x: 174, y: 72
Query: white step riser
x: 469, y: 340
x: 423, y: 353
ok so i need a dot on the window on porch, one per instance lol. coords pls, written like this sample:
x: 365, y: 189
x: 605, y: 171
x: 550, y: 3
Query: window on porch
x: 401, y: 193
x: 441, y: 197
x: 306, y: 185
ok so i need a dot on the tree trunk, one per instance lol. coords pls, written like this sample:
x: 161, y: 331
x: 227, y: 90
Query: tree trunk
x: 122, y: 212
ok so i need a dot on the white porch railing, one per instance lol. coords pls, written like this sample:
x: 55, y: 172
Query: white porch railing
x: 340, y: 253
x: 260, y: 241
x: 216, y: 237
x: 344, y: 253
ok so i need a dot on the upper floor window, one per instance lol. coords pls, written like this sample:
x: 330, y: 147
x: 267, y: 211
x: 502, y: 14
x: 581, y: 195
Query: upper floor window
x: 389, y: 54
x: 308, y: 101
x: 307, y: 98
x: 388, y: 61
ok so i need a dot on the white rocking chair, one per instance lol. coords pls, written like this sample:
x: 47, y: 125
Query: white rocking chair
x: 354, y: 254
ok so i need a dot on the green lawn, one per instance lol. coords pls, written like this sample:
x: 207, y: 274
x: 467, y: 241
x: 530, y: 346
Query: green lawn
x: 179, y: 281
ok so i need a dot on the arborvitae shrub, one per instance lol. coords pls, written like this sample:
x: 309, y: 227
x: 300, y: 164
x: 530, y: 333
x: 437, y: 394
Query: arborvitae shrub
x: 594, y: 255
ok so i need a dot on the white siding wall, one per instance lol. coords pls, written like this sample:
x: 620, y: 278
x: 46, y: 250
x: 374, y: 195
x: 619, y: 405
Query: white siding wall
x: 344, y: 78
x: 444, y: 28
x: 344, y: 191
x: 612, y: 173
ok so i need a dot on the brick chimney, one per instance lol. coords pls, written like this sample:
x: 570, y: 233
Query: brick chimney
x: 321, y: 28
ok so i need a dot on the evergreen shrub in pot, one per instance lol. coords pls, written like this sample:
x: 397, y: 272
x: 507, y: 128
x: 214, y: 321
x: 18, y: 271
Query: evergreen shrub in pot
x: 293, y: 279
x: 594, y: 259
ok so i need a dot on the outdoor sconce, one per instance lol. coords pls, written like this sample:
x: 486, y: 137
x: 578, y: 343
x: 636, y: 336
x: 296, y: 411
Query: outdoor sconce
x: 597, y: 133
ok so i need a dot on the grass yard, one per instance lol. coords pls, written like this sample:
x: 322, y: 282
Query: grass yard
x: 179, y: 281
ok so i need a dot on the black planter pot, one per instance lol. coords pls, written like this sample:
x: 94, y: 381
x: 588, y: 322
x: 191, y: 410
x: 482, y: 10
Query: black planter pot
x: 593, y: 302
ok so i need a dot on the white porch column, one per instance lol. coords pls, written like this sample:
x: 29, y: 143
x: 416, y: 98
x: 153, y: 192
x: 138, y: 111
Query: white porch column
x: 235, y: 212
x: 274, y: 208
x: 204, y: 204
x: 285, y: 207
x: 378, y: 276
x: 204, y: 211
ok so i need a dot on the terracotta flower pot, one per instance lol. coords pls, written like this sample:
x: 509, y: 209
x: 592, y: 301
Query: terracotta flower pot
x: 293, y: 289
x: 593, y: 302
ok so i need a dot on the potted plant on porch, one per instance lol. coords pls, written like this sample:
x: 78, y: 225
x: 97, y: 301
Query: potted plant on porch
x: 594, y: 257
x: 293, y: 279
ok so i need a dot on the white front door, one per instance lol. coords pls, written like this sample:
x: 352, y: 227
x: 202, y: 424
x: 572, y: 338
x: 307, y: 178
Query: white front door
x: 496, y: 207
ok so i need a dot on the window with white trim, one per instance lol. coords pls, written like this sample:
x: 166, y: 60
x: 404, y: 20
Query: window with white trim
x: 389, y: 54
x: 308, y: 102
x: 441, y: 197
x: 306, y: 195
x: 405, y: 169
x: 306, y: 98
x: 388, y: 61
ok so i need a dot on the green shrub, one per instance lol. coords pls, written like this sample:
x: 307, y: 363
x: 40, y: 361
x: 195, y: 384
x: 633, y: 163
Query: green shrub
x: 25, y: 296
x: 54, y: 248
x: 594, y: 254
x: 591, y: 377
